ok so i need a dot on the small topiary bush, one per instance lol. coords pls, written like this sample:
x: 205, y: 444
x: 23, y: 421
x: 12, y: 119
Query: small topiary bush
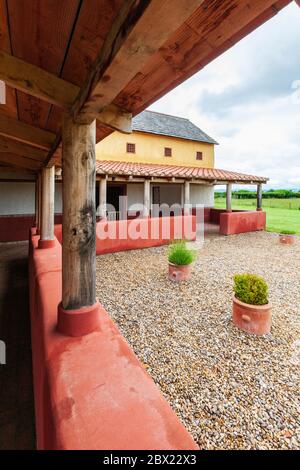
x: 287, y: 232
x: 180, y: 254
x: 251, y: 289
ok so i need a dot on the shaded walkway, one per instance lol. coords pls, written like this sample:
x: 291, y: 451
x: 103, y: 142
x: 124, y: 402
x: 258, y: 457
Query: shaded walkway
x: 16, y: 391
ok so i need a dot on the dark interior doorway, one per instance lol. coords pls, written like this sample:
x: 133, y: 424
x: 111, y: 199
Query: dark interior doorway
x: 114, y: 191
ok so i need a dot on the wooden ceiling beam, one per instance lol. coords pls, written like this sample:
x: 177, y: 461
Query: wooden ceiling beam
x: 19, y: 161
x: 7, y: 171
x: 138, y: 31
x: 24, y: 150
x: 48, y: 87
x: 22, y: 132
x: 36, y: 81
x: 116, y: 118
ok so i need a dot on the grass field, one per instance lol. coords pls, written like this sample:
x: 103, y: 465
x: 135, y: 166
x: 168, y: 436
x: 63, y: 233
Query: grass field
x: 282, y: 214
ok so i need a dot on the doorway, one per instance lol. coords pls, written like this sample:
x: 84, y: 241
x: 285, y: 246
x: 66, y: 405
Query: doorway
x: 114, y: 191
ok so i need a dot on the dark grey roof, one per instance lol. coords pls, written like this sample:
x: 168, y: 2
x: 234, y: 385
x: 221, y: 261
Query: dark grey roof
x: 173, y: 126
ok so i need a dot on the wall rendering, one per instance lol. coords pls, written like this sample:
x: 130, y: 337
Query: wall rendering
x: 201, y: 194
x: 171, y: 193
x: 150, y: 149
x: 17, y: 198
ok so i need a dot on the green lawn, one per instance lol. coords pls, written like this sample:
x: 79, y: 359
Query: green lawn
x: 282, y: 214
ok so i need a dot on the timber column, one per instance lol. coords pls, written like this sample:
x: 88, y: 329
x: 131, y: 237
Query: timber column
x: 147, y: 198
x: 259, y: 197
x: 78, y: 313
x: 36, y: 202
x: 47, y: 239
x: 39, y: 204
x: 102, y: 197
x: 186, y: 198
x: 228, y: 197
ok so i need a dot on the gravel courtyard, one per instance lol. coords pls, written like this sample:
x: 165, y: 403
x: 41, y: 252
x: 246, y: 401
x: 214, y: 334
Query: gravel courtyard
x: 232, y: 390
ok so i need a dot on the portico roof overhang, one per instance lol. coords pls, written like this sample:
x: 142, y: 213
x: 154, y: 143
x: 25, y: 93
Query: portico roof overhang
x: 104, y: 60
x: 134, y: 172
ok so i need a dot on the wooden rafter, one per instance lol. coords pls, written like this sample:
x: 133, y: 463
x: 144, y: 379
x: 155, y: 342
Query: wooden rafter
x: 116, y: 118
x: 19, y: 148
x: 210, y: 31
x: 138, y: 31
x: 144, y: 49
x: 36, y: 81
x: 25, y: 133
x: 19, y: 161
x: 48, y: 87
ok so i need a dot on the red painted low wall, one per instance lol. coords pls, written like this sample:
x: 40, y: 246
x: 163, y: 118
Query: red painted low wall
x: 15, y: 228
x: 150, y: 232
x: 91, y: 392
x: 215, y: 214
x: 241, y: 222
x: 153, y: 232
x: 206, y: 215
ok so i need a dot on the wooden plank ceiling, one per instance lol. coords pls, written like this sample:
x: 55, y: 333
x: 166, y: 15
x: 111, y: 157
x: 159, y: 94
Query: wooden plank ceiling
x: 103, y: 58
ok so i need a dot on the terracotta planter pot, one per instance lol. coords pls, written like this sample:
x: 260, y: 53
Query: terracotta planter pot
x: 179, y: 273
x: 286, y: 239
x: 255, y: 319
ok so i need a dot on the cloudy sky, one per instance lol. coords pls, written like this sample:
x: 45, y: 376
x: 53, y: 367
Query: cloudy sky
x: 249, y: 101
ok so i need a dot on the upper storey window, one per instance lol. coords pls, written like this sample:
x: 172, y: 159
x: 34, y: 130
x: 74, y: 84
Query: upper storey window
x: 130, y: 148
x: 199, y: 155
x: 168, y: 152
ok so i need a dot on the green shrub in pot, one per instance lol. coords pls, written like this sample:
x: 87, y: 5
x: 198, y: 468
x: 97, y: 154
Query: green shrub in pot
x: 251, y: 289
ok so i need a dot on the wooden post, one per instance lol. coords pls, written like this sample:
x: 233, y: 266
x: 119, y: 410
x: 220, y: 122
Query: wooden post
x: 47, y: 206
x: 79, y: 217
x: 259, y: 197
x: 228, y: 197
x: 39, y: 215
x: 78, y: 313
x: 102, y: 197
x: 36, y: 202
x: 146, y: 209
x: 186, y: 197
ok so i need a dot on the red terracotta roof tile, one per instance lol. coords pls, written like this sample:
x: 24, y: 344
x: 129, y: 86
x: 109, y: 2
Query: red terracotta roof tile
x: 106, y: 167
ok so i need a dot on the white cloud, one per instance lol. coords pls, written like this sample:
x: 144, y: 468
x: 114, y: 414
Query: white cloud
x: 247, y: 100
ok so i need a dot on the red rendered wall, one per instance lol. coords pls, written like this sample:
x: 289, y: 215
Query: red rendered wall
x: 207, y: 211
x: 178, y: 225
x: 14, y: 228
x: 91, y: 392
x: 241, y: 222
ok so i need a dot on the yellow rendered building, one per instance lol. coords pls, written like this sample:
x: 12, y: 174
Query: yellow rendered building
x: 160, y: 139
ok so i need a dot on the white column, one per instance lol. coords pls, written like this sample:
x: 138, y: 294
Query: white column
x: 36, y: 203
x: 186, y: 197
x: 228, y: 197
x: 259, y: 197
x: 47, y: 220
x: 102, y: 198
x: 182, y: 196
x: 39, y: 214
x: 146, y: 209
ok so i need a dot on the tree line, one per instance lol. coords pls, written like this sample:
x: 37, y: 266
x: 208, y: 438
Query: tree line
x: 270, y: 193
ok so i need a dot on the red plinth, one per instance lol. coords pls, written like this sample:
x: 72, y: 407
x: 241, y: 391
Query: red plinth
x: 79, y: 322
x: 46, y: 243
